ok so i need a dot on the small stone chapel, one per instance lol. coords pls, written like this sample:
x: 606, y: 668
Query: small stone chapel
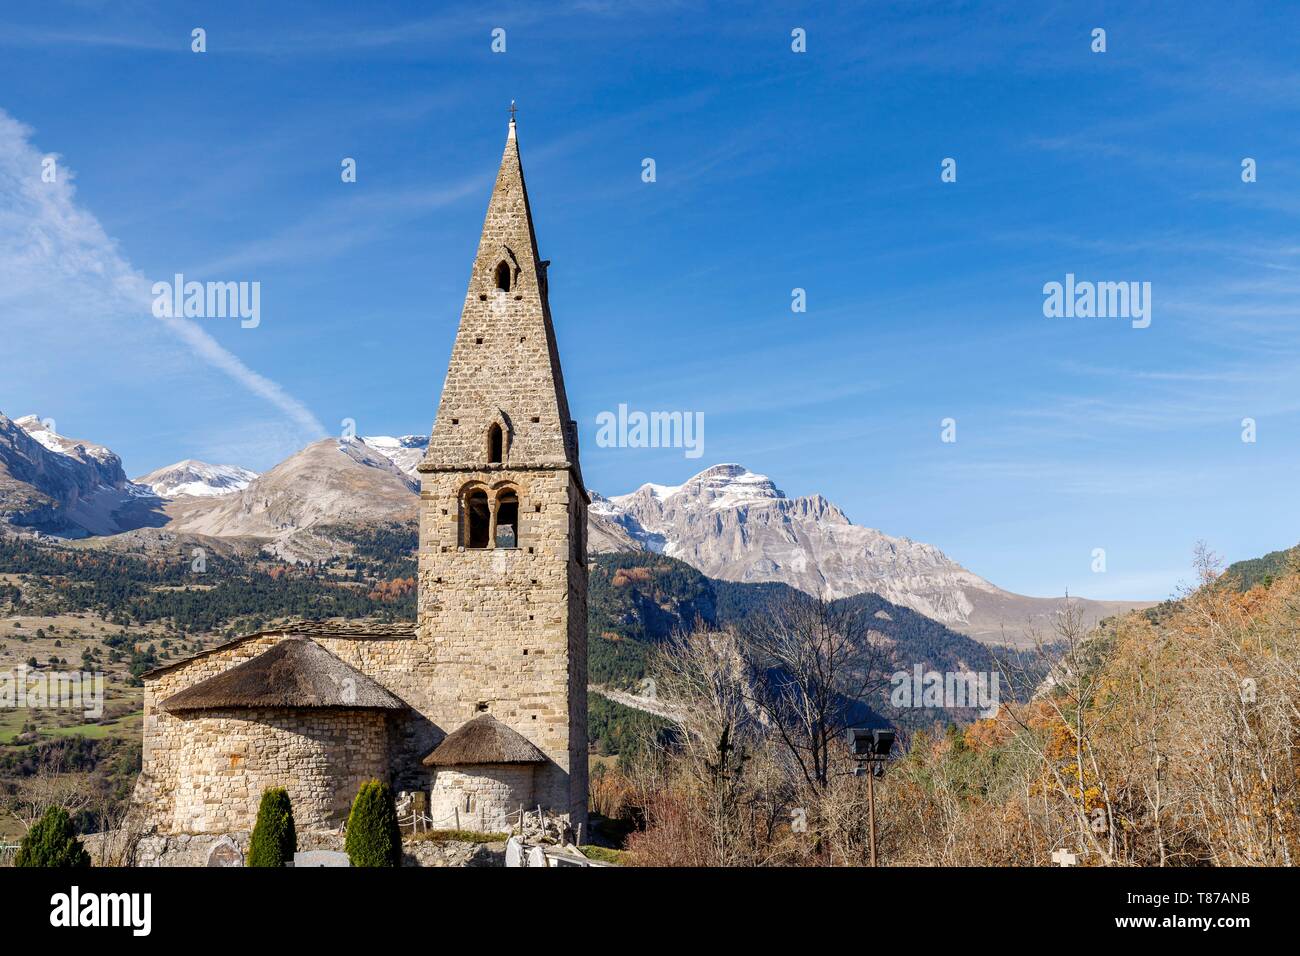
x: 482, y: 704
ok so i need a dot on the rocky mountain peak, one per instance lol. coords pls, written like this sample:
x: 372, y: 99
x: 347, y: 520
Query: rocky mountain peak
x: 737, y: 525
x: 718, y: 487
x: 405, y: 452
x: 37, y: 428
x: 331, y: 481
x: 722, y: 488
x: 65, y: 486
x: 192, y: 478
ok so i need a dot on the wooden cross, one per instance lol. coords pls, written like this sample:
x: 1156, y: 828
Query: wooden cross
x: 513, y: 110
x: 1064, y: 858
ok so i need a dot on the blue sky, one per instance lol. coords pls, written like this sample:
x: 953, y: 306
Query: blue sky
x: 775, y: 170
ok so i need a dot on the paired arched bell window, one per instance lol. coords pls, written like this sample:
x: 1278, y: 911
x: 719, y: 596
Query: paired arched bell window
x: 489, y: 520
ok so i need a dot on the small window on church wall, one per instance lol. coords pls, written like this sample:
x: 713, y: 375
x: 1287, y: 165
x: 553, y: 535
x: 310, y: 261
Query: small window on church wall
x: 495, y: 442
x: 507, y: 519
x: 476, y: 520
x: 503, y: 276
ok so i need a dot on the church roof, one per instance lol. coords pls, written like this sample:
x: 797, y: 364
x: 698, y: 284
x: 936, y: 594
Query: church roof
x: 297, y: 672
x: 354, y: 630
x: 483, y: 740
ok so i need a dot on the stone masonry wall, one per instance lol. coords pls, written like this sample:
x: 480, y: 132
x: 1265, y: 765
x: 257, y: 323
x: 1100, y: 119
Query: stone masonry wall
x: 508, y: 626
x: 483, y: 798
x: 320, y: 756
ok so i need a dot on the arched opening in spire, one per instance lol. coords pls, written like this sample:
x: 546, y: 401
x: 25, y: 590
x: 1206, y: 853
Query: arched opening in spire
x: 495, y: 443
x: 503, y: 276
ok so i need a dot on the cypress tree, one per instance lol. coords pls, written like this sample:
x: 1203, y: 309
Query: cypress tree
x: 373, y: 835
x: 274, y: 839
x: 52, y: 841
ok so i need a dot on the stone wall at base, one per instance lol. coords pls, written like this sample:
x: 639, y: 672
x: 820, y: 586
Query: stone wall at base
x: 187, y: 849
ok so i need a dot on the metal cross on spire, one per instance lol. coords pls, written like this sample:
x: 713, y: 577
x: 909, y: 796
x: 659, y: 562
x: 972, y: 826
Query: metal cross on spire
x: 513, y: 110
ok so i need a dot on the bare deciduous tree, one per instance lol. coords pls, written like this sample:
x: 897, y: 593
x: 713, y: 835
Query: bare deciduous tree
x: 50, y: 785
x: 812, y: 665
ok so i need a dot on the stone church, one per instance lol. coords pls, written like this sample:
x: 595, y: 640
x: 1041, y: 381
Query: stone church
x: 482, y: 704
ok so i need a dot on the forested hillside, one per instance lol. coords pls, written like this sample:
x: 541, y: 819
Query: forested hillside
x: 1244, y: 575
x: 214, y: 591
x: 639, y: 600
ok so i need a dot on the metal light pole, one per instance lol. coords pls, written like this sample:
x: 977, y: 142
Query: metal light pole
x: 870, y: 748
x: 871, y: 810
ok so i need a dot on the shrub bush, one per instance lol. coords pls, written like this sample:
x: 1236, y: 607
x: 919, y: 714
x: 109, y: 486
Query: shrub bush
x: 373, y: 837
x: 274, y: 838
x: 52, y: 841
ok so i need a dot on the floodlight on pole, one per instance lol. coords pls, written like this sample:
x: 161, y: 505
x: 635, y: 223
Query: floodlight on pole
x: 882, y: 743
x: 871, y: 748
x: 861, y: 742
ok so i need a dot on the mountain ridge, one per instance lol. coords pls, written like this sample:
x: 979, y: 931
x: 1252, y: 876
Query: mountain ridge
x: 331, y: 481
x: 65, y: 486
x: 728, y: 522
x: 735, y: 525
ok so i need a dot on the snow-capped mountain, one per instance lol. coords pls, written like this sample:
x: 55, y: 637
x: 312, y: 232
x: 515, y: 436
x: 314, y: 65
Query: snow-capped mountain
x: 716, y: 488
x: 404, y: 452
x: 71, y: 488
x: 196, y: 479
x: 735, y: 525
x: 66, y: 486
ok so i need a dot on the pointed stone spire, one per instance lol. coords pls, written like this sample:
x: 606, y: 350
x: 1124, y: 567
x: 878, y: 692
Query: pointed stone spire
x: 505, y: 368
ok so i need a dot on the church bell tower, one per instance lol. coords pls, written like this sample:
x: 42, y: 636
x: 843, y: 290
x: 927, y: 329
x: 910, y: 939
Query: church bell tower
x: 503, y: 513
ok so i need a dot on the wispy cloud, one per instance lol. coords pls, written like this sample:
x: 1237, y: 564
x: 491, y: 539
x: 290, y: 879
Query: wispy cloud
x: 63, y: 277
x: 360, y: 36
